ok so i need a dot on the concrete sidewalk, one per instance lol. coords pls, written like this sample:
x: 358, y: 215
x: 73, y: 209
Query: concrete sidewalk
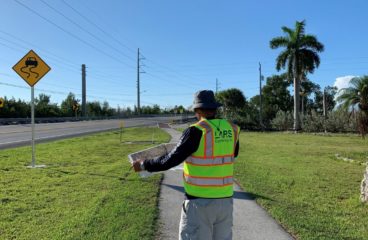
x: 251, y: 222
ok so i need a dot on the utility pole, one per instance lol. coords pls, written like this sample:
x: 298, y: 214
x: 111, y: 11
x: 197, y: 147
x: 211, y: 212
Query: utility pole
x: 139, y: 58
x: 216, y: 85
x: 324, y: 108
x: 260, y: 96
x: 324, y: 104
x: 84, y: 108
x: 138, y: 87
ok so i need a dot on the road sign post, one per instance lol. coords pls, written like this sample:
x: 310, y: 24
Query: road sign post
x: 33, y: 128
x: 121, y: 129
x: 32, y: 68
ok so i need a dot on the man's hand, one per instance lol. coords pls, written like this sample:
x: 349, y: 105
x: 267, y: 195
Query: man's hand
x: 137, y: 165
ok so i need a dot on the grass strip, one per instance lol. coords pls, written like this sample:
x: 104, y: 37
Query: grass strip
x: 86, y: 191
x: 302, y: 183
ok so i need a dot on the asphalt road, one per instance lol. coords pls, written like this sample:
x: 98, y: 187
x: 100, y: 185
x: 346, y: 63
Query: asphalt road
x: 20, y: 135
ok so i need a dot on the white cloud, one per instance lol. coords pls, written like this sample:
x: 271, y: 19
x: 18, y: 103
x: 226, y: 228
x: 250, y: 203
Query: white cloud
x: 342, y: 82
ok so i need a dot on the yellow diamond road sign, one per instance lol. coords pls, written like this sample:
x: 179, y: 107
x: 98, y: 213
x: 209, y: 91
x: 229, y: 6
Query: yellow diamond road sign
x: 1, y: 102
x: 31, y: 68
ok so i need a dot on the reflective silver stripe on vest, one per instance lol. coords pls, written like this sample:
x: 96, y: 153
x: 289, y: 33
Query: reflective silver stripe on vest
x: 209, y: 134
x: 208, y: 181
x: 210, y: 161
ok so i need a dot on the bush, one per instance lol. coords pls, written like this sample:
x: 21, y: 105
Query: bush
x: 339, y: 121
x: 283, y: 121
x: 313, y: 122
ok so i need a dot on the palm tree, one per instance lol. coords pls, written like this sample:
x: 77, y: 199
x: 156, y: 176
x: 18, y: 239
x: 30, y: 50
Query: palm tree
x: 356, y: 97
x: 300, y: 56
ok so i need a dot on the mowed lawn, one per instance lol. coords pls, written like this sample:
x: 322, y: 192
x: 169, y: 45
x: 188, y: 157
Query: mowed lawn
x: 302, y: 183
x: 86, y: 191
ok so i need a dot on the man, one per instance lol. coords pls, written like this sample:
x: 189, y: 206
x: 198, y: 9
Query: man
x: 208, y: 149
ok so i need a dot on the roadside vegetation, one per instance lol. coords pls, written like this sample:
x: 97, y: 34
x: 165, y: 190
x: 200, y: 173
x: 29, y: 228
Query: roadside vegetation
x: 304, y: 184
x: 86, y: 191
x: 71, y: 107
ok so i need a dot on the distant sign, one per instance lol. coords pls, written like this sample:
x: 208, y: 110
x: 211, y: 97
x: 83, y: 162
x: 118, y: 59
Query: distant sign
x: 1, y: 102
x: 31, y: 68
x: 75, y: 106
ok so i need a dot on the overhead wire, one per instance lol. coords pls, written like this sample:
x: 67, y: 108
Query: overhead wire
x: 62, y: 93
x: 86, y: 31
x: 99, y: 28
x: 21, y: 47
x: 105, y: 78
x: 48, y: 53
x: 71, y: 34
x: 91, y: 22
x: 166, y: 79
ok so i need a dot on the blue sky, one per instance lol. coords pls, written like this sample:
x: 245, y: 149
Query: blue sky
x: 186, y: 45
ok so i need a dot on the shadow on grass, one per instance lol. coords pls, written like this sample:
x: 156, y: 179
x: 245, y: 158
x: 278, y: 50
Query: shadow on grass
x: 141, y: 142
x: 237, y: 194
x: 144, y: 142
x: 122, y: 178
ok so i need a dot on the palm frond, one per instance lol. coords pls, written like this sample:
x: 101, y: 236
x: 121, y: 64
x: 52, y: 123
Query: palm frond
x: 349, y: 97
x: 309, y: 59
x: 288, y: 31
x: 279, y: 42
x: 311, y: 42
x: 356, y: 82
x: 299, y: 29
x: 282, y: 59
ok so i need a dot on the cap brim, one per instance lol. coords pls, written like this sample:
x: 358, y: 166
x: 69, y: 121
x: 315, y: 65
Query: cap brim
x: 206, y: 105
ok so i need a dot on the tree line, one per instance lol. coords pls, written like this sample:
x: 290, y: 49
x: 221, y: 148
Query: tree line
x: 70, y: 107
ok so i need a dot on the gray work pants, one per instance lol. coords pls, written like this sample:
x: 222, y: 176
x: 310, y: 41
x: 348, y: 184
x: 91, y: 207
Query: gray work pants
x: 206, y: 219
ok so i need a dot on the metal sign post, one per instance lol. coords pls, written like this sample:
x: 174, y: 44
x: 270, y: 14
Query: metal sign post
x: 32, y: 68
x: 33, y: 128
x: 121, y: 129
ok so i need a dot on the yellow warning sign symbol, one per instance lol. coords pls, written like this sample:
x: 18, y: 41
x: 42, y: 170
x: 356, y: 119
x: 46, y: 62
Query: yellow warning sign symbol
x: 1, y: 102
x: 31, y: 68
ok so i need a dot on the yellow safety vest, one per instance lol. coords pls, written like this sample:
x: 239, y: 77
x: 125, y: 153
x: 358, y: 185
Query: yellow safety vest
x: 208, y: 172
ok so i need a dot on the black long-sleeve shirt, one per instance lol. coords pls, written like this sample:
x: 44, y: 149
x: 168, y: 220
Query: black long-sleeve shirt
x: 188, y: 144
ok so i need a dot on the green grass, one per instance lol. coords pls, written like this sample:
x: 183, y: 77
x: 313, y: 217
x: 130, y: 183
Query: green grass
x: 85, y: 192
x: 299, y: 180
x: 88, y: 192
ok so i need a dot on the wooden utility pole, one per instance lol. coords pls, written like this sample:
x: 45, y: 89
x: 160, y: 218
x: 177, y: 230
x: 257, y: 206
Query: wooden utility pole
x: 260, y: 96
x: 84, y: 108
x: 324, y: 104
x: 138, y: 85
x: 324, y: 108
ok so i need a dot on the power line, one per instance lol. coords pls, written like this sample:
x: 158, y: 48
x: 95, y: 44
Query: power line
x: 99, y: 28
x: 180, y: 75
x: 98, y: 76
x: 60, y: 59
x: 71, y: 34
x: 19, y: 50
x: 85, y: 18
x: 86, y: 31
x: 59, y: 92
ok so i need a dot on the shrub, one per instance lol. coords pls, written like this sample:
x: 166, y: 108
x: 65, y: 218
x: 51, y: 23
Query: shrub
x: 341, y: 121
x: 313, y: 122
x: 283, y: 121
